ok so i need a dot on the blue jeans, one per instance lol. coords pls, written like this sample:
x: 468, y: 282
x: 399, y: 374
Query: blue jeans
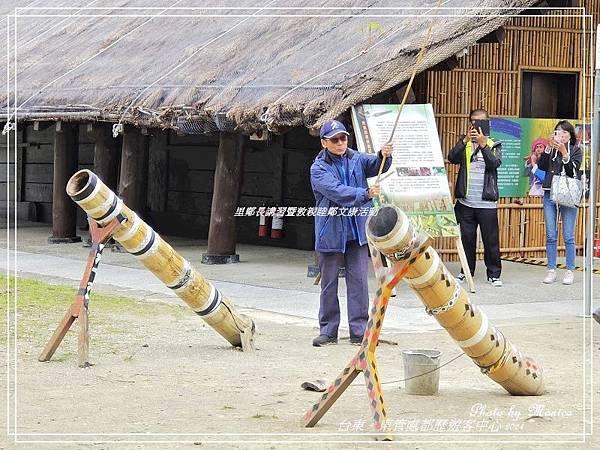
x: 569, y: 218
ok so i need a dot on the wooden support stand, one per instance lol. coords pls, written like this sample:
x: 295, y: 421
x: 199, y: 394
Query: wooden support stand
x: 465, y: 265
x: 80, y: 306
x: 364, y: 361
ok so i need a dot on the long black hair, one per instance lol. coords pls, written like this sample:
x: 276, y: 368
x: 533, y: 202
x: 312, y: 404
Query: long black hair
x: 566, y: 126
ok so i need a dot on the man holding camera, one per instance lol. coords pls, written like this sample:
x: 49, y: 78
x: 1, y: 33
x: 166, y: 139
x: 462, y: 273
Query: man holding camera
x: 476, y: 193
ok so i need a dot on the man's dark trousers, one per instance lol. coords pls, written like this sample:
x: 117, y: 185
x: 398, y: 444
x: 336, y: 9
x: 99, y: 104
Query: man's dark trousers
x: 487, y: 219
x: 356, y: 262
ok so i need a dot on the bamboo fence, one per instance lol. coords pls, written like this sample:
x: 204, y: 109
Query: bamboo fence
x: 489, y: 77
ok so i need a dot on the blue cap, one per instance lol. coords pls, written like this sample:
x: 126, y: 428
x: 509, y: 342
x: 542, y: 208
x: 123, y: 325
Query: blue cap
x: 332, y: 128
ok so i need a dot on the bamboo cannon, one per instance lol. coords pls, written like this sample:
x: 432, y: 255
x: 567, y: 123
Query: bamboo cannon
x: 390, y: 231
x: 138, y: 238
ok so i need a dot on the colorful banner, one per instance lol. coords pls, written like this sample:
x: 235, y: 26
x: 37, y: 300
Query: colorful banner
x: 417, y: 181
x: 523, y: 141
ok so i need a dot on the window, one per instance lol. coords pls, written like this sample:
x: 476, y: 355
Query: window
x: 549, y: 95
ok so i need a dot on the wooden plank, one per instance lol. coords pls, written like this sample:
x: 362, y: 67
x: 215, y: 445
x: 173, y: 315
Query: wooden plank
x: 39, y: 173
x: 189, y: 202
x: 192, y: 158
x: 38, y: 192
x: 4, y: 175
x: 300, y: 138
x: 297, y: 186
x: 20, y: 172
x: 86, y: 153
x: 45, y: 135
x: 258, y: 184
x: 180, y: 224
x: 192, y: 181
x: 259, y: 158
x: 158, y: 172
x: 194, y: 140
x: 40, y: 154
x: 277, y: 176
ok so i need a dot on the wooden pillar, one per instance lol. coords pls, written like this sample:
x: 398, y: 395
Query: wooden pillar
x: 226, y: 193
x: 134, y: 169
x: 66, y: 157
x: 106, y: 154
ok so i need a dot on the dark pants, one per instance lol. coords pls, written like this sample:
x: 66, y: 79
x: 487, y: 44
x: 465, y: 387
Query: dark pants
x: 487, y: 220
x: 356, y: 261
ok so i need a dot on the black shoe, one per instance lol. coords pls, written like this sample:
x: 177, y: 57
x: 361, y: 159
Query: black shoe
x: 322, y: 340
x: 356, y: 340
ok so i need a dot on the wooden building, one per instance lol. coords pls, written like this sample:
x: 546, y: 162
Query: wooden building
x: 195, y: 110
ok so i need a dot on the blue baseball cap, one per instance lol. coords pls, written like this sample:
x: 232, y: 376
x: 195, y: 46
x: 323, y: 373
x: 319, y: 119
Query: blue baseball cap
x: 332, y: 128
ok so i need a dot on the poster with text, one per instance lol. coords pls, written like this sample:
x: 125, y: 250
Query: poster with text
x: 416, y: 182
x: 523, y: 141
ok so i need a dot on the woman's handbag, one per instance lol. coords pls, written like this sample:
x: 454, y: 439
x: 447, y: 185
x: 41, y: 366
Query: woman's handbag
x: 566, y: 191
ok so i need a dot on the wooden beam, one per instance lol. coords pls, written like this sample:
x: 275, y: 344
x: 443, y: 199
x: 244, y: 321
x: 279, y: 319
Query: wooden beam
x: 64, y: 210
x: 226, y: 192
x: 447, y: 64
x: 495, y: 37
x: 158, y: 171
x: 106, y: 154
x: 134, y: 169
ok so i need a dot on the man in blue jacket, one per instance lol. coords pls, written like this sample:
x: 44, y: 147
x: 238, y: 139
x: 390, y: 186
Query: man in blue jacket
x: 343, y: 198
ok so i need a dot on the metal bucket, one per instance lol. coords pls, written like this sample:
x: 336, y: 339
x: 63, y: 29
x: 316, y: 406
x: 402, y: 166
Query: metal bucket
x: 421, y: 371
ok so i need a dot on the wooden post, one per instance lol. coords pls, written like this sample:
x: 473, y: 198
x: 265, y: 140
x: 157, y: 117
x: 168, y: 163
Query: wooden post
x: 64, y: 211
x: 106, y: 154
x: 134, y: 169
x: 226, y: 192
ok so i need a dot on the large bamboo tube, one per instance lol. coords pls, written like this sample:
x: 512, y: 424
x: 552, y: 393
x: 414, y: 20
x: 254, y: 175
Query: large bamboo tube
x: 139, y: 239
x: 390, y: 231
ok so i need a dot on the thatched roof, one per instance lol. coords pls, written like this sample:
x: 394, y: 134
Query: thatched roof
x: 227, y: 65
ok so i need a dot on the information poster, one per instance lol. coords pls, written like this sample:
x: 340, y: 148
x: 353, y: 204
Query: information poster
x: 523, y: 141
x: 416, y: 182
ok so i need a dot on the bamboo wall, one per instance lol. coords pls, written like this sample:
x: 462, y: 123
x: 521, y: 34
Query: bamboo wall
x: 489, y: 77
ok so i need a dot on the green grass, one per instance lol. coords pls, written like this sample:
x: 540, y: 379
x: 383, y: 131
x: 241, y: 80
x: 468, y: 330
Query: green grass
x: 40, y: 306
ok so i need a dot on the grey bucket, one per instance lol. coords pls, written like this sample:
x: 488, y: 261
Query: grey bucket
x: 421, y: 371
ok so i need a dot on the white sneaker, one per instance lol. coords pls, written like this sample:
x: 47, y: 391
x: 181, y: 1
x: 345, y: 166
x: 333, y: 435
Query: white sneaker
x: 496, y: 282
x: 569, y: 277
x: 550, y: 276
x: 461, y: 277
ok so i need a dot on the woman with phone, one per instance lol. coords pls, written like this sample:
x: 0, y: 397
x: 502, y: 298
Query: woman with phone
x: 562, y: 152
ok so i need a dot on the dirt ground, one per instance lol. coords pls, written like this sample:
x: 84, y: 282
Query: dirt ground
x: 161, y: 375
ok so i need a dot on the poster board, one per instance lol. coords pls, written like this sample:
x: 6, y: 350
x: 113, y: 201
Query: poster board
x: 417, y: 181
x: 523, y: 140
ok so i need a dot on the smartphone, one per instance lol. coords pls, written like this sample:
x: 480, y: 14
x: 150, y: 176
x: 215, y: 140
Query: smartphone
x: 556, y: 134
x: 484, y: 124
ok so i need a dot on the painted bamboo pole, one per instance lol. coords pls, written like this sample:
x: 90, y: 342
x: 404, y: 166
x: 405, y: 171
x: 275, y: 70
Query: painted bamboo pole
x: 390, y: 231
x: 102, y: 205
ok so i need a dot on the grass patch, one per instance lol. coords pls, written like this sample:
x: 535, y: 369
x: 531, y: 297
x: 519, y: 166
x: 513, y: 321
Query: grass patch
x: 41, y: 306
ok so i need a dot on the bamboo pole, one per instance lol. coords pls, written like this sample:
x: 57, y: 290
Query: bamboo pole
x: 139, y: 239
x: 390, y: 231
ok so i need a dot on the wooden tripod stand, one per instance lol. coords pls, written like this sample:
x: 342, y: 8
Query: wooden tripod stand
x: 364, y: 360
x: 80, y: 306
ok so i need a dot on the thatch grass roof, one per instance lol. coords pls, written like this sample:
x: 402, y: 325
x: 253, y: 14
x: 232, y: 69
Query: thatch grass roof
x: 225, y: 64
